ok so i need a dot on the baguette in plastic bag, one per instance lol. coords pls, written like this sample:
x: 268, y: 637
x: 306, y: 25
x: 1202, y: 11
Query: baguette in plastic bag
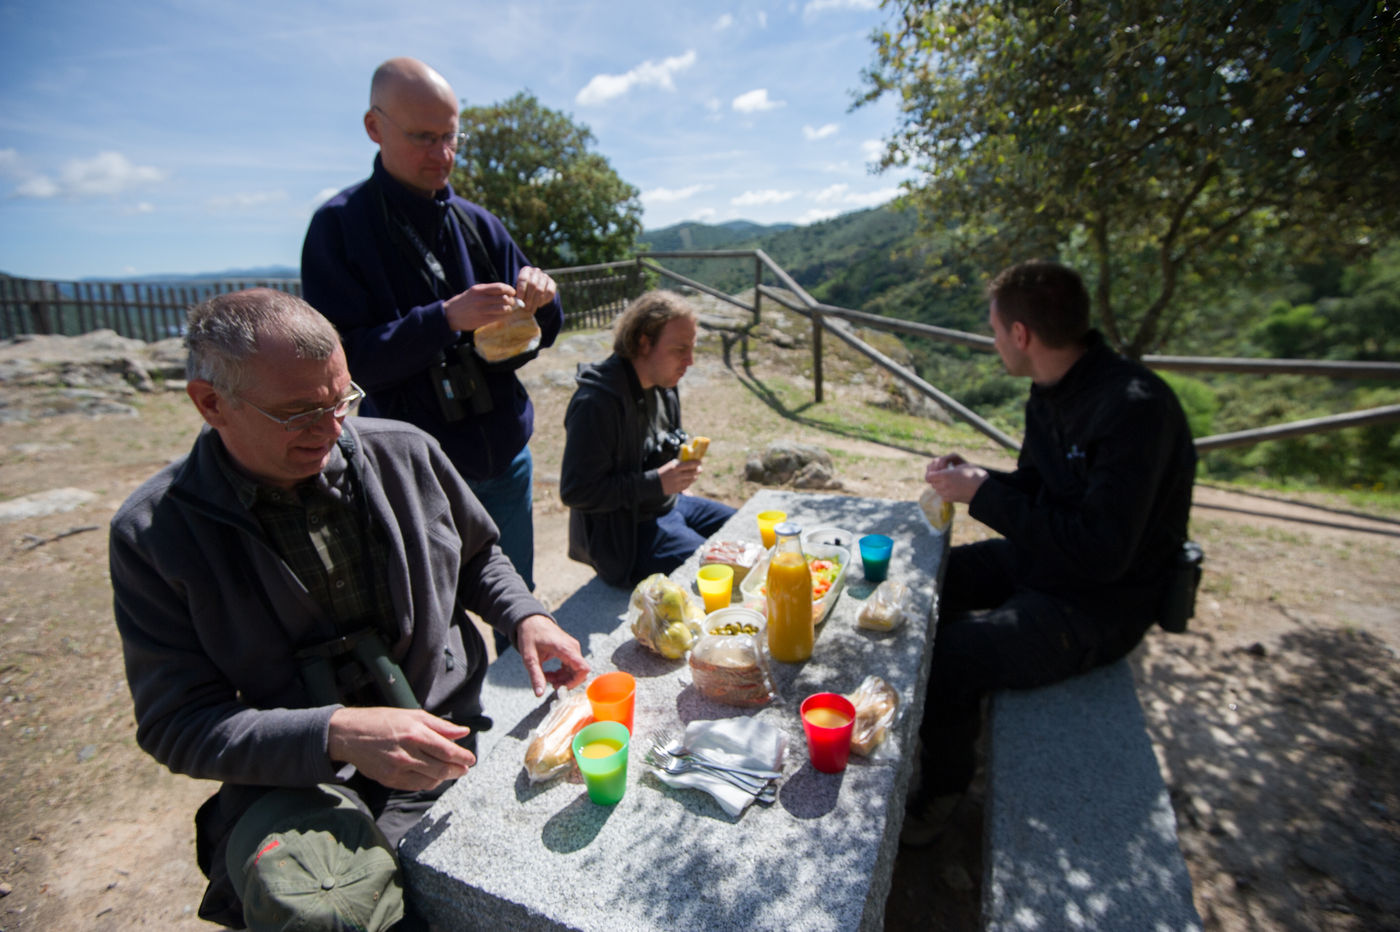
x: 550, y: 751
x: 876, y: 704
x: 888, y: 608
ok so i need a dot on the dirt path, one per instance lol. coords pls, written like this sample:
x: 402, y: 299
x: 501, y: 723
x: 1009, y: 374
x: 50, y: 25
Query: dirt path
x: 1273, y: 718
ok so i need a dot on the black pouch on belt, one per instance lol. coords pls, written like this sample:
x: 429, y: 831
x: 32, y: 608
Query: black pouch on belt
x: 1179, y: 605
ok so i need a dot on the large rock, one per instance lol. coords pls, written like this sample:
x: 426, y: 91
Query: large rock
x: 796, y: 464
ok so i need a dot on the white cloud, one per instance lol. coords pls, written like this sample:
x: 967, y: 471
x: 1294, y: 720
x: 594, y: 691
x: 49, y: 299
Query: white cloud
x: 872, y: 149
x: 671, y: 195
x: 107, y: 173
x: 706, y: 214
x: 762, y: 20
x: 724, y: 22
x: 842, y: 195
x: 758, y: 198
x: 9, y: 160
x: 821, y: 6
x: 604, y: 87
x: 713, y: 105
x: 246, y: 200
x: 756, y: 101
x: 37, y: 187
x: 871, y: 198
x: 820, y: 132
x: 143, y: 207
x: 323, y: 195
x: 815, y: 214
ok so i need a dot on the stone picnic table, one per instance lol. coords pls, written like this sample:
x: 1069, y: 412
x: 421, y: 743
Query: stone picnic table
x: 499, y: 852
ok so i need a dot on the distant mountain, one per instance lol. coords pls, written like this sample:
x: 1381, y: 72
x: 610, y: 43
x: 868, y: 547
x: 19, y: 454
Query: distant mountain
x: 691, y: 235
x: 259, y: 272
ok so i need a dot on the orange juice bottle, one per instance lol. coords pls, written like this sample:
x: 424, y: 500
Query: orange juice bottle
x: 789, y: 595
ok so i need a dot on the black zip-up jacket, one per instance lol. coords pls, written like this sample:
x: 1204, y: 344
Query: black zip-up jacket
x: 1098, y: 504
x: 603, y: 478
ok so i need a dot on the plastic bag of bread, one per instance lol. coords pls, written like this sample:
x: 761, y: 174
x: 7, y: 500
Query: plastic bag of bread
x: 729, y: 663
x: 876, y: 705
x: 519, y: 333
x: 938, y: 512
x: 741, y: 555
x: 694, y: 448
x: 668, y: 620
x: 887, y: 608
x: 550, y: 751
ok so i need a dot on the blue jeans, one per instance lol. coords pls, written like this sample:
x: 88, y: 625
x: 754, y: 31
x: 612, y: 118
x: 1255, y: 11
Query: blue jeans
x: 666, y: 542
x: 508, y: 499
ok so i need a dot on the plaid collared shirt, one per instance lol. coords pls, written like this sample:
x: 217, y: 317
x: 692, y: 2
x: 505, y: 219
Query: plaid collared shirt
x: 321, y: 529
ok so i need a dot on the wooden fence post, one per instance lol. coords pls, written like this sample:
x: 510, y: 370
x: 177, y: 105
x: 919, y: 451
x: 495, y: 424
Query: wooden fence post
x: 757, y: 288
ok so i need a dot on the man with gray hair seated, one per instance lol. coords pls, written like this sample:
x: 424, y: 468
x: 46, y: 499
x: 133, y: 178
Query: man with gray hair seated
x: 292, y: 600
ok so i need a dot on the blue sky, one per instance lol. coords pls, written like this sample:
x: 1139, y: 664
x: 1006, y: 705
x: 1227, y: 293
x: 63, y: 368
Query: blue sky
x: 190, y: 136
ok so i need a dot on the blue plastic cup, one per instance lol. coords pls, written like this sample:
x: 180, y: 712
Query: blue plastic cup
x: 875, y: 556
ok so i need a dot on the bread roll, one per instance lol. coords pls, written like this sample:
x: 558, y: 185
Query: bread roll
x: 503, y: 339
x: 695, y: 448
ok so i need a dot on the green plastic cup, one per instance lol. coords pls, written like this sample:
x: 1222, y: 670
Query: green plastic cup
x: 601, y: 752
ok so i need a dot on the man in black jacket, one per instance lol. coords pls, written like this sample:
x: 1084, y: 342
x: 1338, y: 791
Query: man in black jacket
x: 631, y: 512
x: 1092, y: 520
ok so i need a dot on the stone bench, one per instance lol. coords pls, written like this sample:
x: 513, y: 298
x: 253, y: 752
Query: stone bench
x: 1079, y: 832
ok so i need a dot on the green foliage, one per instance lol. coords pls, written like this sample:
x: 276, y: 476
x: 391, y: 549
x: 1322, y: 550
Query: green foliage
x: 1197, y: 400
x: 531, y: 166
x: 1171, y: 148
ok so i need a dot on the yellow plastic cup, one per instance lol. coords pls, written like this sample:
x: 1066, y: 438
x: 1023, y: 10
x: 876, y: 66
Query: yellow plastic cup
x: 766, y: 522
x: 716, y: 584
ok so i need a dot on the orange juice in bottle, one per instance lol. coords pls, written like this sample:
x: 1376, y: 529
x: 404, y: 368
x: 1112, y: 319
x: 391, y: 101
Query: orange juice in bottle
x: 789, y: 596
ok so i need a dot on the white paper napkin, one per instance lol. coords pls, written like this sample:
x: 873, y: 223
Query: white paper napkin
x: 737, y: 742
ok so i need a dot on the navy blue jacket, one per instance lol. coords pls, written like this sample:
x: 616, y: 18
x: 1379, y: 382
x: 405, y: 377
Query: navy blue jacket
x: 389, y: 311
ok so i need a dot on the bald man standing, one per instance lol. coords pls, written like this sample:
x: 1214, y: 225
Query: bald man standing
x: 408, y: 272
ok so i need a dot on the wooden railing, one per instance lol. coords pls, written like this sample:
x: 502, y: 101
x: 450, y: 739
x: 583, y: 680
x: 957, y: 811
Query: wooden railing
x: 594, y: 294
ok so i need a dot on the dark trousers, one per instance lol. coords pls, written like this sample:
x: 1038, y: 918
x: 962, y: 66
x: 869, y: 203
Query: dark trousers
x: 666, y: 542
x: 993, y: 634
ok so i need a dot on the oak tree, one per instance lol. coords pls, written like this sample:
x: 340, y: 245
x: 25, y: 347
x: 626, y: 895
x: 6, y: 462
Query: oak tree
x: 532, y: 167
x: 1166, y: 147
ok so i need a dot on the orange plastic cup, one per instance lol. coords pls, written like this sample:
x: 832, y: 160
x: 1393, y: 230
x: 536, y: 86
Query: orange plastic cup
x: 612, y: 697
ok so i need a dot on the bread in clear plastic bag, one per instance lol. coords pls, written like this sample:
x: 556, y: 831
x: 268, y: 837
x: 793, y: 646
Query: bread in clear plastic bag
x: 502, y: 339
x: 876, y: 705
x: 741, y: 555
x: 668, y: 620
x: 937, y: 512
x: 550, y: 751
x: 731, y: 666
x: 887, y: 608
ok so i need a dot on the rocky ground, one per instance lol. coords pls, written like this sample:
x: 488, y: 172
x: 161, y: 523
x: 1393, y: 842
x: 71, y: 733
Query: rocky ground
x: 1273, y: 717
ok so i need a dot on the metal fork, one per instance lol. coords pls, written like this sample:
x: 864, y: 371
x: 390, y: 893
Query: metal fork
x: 762, y: 790
x: 674, y: 763
x: 666, y: 743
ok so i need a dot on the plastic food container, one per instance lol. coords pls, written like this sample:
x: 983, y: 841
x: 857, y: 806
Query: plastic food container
x: 832, y: 536
x: 752, y: 586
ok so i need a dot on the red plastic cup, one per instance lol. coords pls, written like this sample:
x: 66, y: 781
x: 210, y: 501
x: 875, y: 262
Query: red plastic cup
x: 828, y: 720
x: 612, y: 696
